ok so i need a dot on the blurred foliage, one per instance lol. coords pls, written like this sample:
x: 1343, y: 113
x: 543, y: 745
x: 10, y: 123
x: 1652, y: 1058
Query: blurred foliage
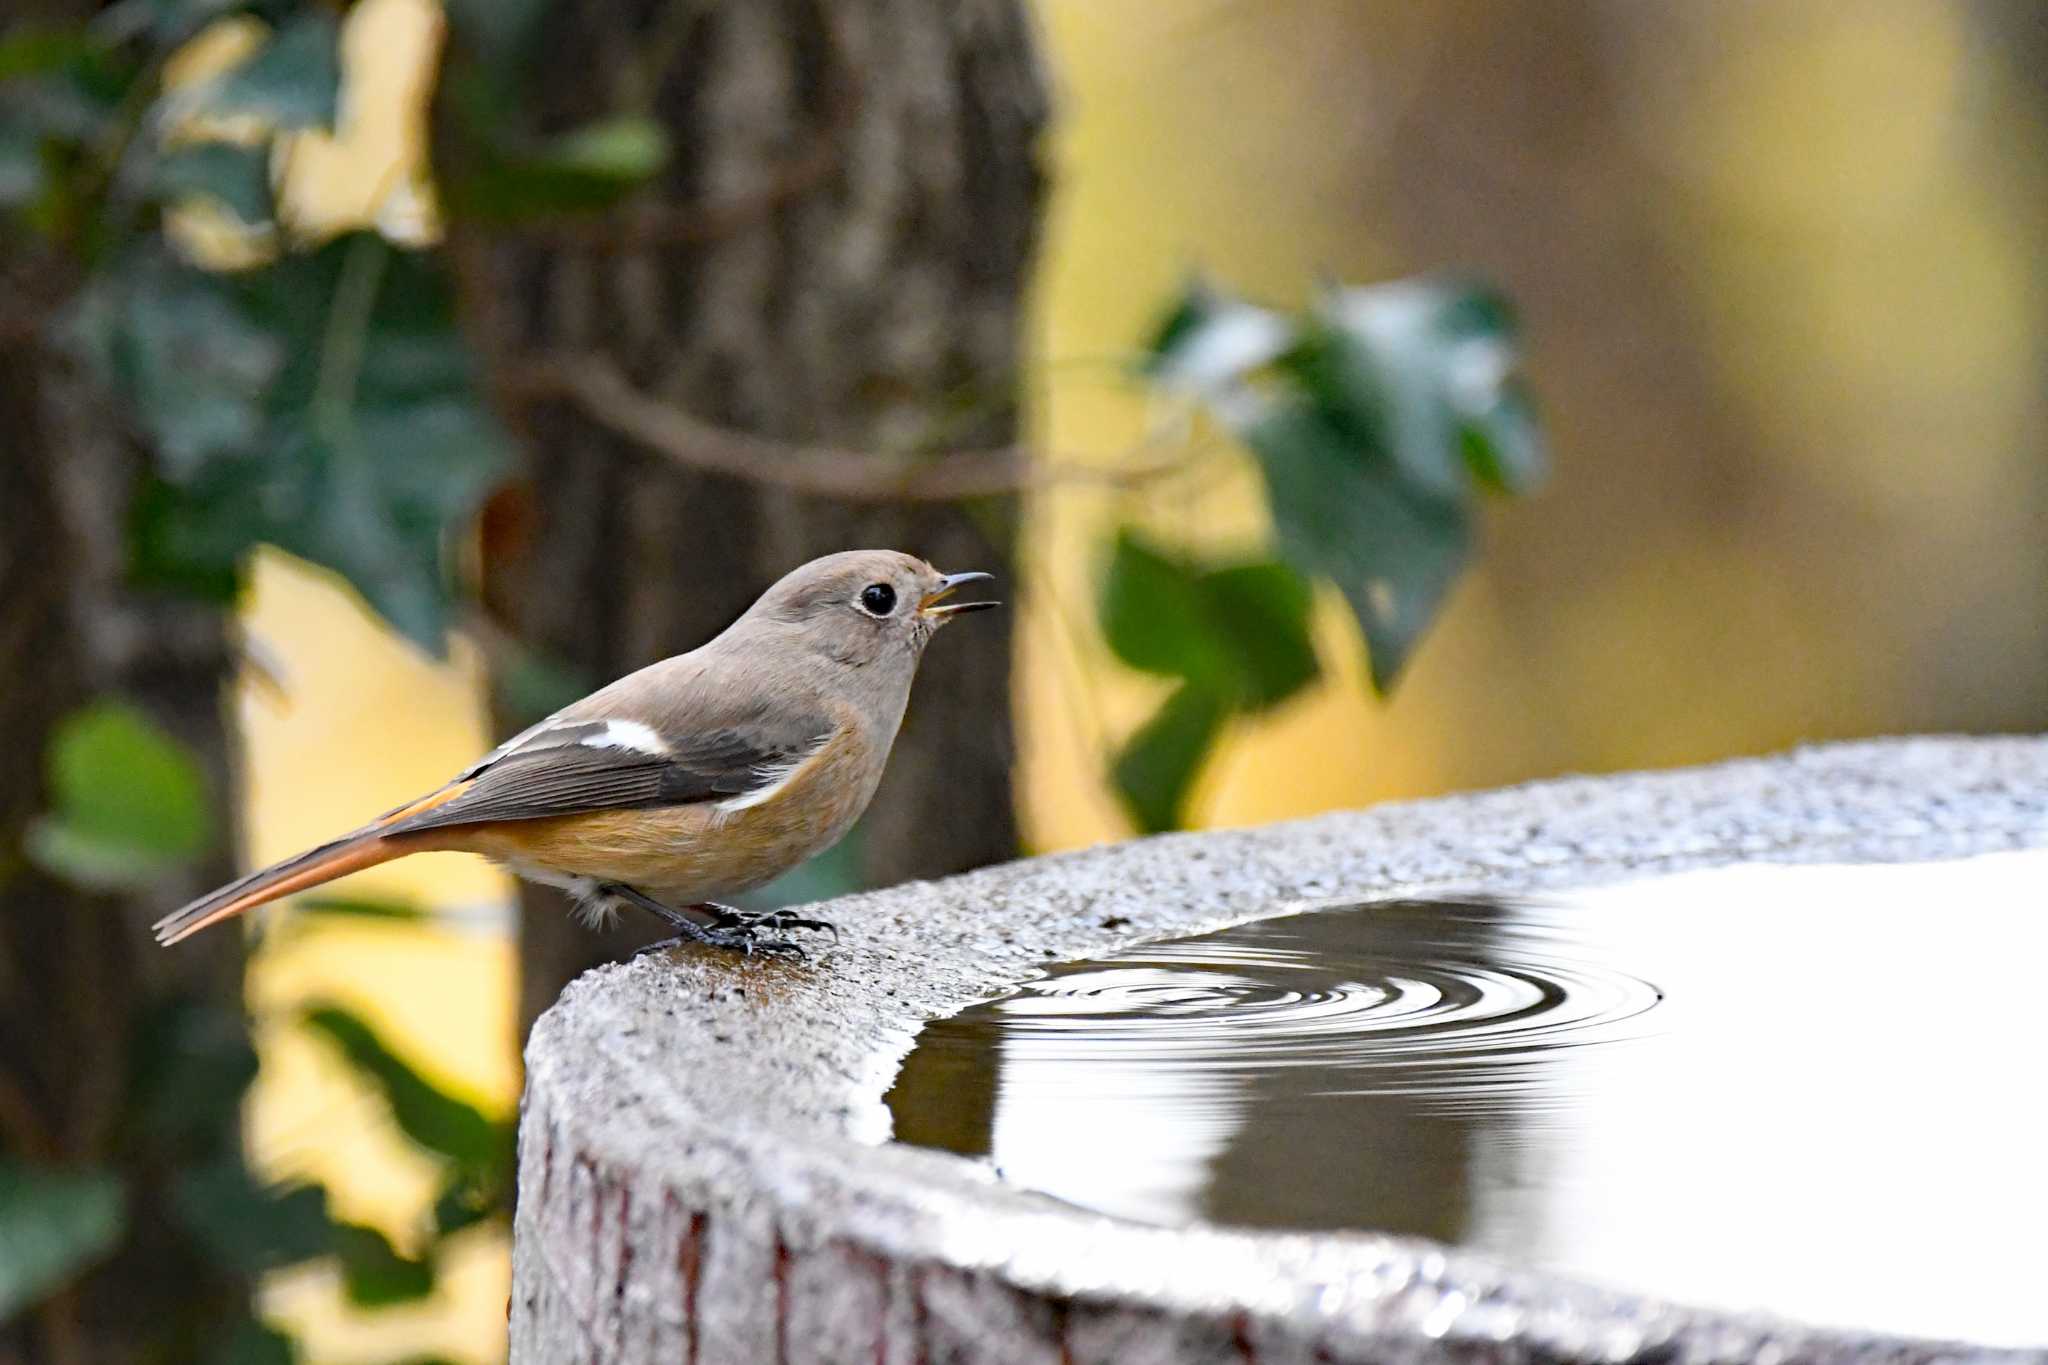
x: 291, y: 82
x: 320, y: 400
x: 1236, y: 636
x: 577, y: 172
x: 248, y: 1228
x: 1377, y: 416
x: 510, y: 174
x: 324, y: 404
x: 358, y: 907
x: 130, y: 803
x: 57, y: 1223
x: 188, y: 1067
x: 474, y: 1148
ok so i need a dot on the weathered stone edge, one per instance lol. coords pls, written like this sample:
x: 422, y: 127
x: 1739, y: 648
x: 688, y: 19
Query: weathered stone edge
x: 695, y: 1182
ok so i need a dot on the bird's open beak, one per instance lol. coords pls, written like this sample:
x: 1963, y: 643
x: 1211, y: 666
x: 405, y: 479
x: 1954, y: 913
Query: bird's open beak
x: 930, y: 608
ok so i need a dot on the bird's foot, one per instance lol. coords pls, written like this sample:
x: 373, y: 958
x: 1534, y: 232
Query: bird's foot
x: 773, y: 921
x: 720, y: 926
x: 744, y: 941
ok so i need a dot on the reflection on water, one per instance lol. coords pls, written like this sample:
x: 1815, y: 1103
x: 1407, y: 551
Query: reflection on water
x: 1814, y: 1091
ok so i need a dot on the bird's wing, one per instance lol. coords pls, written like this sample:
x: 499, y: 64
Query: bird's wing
x: 566, y: 765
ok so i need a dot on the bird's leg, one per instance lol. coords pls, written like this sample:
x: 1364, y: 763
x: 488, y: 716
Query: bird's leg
x: 726, y: 929
x: 675, y: 919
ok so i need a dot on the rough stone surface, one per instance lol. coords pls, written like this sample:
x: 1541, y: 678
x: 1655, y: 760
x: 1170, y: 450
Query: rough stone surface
x: 703, y: 1175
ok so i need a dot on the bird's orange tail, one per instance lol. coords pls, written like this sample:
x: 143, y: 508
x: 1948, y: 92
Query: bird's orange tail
x: 350, y: 853
x: 366, y: 847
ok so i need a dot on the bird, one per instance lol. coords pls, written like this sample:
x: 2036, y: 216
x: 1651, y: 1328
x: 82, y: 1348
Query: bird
x: 688, y: 781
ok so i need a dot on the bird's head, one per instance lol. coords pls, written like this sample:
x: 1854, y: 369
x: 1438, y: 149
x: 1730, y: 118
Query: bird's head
x: 865, y: 606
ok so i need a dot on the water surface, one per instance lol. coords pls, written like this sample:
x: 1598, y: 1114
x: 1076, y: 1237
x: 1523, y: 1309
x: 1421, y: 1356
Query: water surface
x: 1816, y: 1091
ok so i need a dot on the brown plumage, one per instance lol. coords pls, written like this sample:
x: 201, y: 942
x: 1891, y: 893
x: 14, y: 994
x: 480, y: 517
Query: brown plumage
x: 698, y: 777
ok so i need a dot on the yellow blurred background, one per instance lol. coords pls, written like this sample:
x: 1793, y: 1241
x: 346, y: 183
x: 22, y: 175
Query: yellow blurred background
x: 1780, y: 273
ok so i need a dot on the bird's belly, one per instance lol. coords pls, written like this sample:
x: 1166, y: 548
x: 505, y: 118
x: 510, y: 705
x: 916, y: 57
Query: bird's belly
x: 680, y: 855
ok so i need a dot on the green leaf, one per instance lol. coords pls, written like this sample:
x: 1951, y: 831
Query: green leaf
x: 1240, y: 632
x: 383, y: 438
x: 1503, y: 443
x: 53, y: 1224
x: 173, y: 546
x: 428, y: 1115
x: 181, y: 348
x: 1392, y: 551
x: 191, y: 1065
x: 375, y: 1275
x: 627, y: 149
x: 1422, y: 373
x: 236, y: 175
x: 1373, y: 364
x: 66, y: 86
x: 358, y: 907
x: 1210, y: 343
x: 41, y: 49
x: 170, y: 21
x: 1261, y: 611
x: 1154, y: 616
x: 462, y: 1205
x: 325, y: 404
x: 130, y: 802
x: 582, y: 171
x: 1158, y: 764
x: 1376, y: 417
x: 245, y: 1228
x: 255, y: 1343
x: 293, y: 79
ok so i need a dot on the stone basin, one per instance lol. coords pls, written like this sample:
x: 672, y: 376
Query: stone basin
x: 704, y: 1172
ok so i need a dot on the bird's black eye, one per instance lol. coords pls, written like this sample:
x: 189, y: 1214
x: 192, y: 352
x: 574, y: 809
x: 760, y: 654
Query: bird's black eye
x: 878, y: 598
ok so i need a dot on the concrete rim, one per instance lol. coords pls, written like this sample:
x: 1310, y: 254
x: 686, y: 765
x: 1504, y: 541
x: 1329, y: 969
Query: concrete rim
x: 700, y: 1166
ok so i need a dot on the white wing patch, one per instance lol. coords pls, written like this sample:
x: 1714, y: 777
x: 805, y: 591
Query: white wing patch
x: 555, y: 733
x: 774, y: 777
x: 626, y: 734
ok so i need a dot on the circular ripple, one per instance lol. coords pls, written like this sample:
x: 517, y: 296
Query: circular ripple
x: 1452, y: 998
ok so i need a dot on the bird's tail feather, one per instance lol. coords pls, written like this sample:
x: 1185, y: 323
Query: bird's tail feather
x: 351, y: 853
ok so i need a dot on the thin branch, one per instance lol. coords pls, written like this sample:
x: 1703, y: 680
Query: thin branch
x: 605, y: 396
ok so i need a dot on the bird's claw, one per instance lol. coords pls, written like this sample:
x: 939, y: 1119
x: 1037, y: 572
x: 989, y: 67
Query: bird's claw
x: 740, y: 921
x: 741, y: 930
x: 744, y: 940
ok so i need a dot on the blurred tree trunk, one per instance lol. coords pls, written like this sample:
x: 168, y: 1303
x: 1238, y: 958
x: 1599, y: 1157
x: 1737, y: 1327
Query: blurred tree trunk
x: 844, y: 235
x: 80, y: 977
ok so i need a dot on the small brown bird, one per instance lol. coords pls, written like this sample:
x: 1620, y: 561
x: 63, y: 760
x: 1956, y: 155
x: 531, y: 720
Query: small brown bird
x: 698, y: 777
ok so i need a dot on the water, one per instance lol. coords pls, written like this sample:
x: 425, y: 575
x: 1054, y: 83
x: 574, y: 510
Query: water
x: 1816, y: 1091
